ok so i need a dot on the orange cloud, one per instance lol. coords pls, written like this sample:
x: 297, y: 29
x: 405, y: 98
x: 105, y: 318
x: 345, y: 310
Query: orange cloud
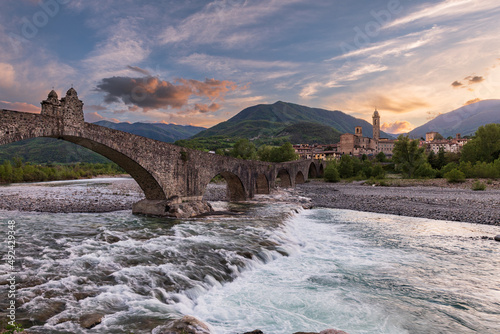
x: 19, y: 106
x: 8, y: 75
x: 456, y: 84
x: 397, y: 127
x: 474, y: 79
x: 397, y: 104
x: 472, y: 101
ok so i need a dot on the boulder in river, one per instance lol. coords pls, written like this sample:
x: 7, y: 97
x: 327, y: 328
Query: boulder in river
x: 186, y: 325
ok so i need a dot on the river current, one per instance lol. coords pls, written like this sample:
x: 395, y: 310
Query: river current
x: 274, y: 267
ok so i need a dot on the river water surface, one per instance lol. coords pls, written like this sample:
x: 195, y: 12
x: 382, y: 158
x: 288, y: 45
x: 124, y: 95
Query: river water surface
x: 265, y: 269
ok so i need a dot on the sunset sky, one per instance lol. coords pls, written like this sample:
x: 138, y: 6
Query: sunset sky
x: 201, y: 62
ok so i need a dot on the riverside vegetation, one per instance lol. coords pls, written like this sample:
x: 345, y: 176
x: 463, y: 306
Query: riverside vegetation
x: 19, y: 171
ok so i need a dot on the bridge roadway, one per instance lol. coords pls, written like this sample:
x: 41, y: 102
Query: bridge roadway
x: 173, y: 178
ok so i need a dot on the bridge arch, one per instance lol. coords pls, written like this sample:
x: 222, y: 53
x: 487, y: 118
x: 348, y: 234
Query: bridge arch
x: 149, y: 185
x: 299, y: 178
x: 152, y: 190
x: 262, y: 184
x: 313, y: 171
x: 321, y: 170
x: 235, y: 191
x: 285, y: 181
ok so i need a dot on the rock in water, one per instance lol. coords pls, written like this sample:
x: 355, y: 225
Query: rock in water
x: 497, y: 238
x: 186, y: 325
x: 89, y: 321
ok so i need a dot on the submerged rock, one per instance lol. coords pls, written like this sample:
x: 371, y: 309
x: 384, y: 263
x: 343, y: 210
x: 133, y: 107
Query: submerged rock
x: 497, y: 238
x: 89, y: 321
x: 186, y: 325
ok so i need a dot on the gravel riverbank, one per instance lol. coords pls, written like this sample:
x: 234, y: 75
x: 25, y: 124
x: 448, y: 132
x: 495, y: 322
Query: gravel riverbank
x: 442, y: 203
x: 111, y: 194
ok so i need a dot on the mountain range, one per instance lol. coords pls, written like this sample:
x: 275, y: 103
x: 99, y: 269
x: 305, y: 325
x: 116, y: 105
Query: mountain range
x: 464, y: 120
x: 160, y: 131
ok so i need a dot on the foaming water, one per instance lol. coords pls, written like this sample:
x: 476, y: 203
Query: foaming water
x: 367, y: 273
x: 135, y: 271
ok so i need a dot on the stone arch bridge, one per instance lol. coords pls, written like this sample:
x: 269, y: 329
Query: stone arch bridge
x: 170, y: 176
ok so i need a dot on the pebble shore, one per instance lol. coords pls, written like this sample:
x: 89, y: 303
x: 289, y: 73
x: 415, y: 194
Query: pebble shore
x: 104, y: 195
x: 441, y: 203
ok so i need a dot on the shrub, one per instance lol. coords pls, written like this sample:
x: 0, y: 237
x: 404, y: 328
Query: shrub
x: 478, y: 186
x: 331, y: 173
x: 455, y: 176
x: 425, y: 170
x: 378, y: 172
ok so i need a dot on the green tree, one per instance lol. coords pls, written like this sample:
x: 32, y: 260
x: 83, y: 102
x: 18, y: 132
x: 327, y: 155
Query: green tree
x: 346, y: 166
x: 331, y: 173
x: 485, y: 146
x: 244, y: 149
x: 381, y: 157
x: 407, y: 155
x: 287, y: 153
x: 283, y: 153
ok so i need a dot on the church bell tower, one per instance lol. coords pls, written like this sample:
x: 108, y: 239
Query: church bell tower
x: 376, y: 125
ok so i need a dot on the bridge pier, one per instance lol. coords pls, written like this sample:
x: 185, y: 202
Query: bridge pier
x: 172, y: 208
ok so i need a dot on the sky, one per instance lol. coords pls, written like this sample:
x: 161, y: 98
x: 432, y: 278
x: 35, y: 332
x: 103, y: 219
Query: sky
x: 198, y: 62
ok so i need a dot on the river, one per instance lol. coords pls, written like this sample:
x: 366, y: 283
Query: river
x: 274, y: 267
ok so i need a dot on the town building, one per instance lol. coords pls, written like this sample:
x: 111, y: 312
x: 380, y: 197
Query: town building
x: 356, y: 144
x: 447, y: 145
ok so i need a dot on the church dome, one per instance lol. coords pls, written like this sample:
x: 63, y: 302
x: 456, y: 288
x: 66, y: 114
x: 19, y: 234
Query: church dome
x: 71, y: 92
x: 52, y: 94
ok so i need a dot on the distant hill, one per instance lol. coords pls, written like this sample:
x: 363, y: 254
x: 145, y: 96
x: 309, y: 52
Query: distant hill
x: 464, y: 120
x: 269, y: 120
x: 164, y: 132
x: 49, y: 150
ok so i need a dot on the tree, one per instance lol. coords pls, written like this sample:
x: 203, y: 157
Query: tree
x: 438, y: 136
x: 244, y: 149
x: 331, y: 173
x: 346, y: 166
x: 285, y: 152
x: 407, y: 155
x: 485, y: 146
x: 381, y: 157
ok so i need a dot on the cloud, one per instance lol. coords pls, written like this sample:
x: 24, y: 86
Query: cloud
x: 474, y: 79
x: 93, y: 117
x: 8, y: 75
x: 401, y: 45
x: 229, y: 24
x: 472, y: 101
x: 398, y: 105
x: 138, y: 69
x: 94, y: 107
x: 20, y: 106
x: 456, y: 84
x: 445, y: 9
x: 152, y: 93
x: 204, y: 108
x: 397, y: 127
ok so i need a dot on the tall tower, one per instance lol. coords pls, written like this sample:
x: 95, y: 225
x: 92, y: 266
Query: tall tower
x: 376, y: 125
